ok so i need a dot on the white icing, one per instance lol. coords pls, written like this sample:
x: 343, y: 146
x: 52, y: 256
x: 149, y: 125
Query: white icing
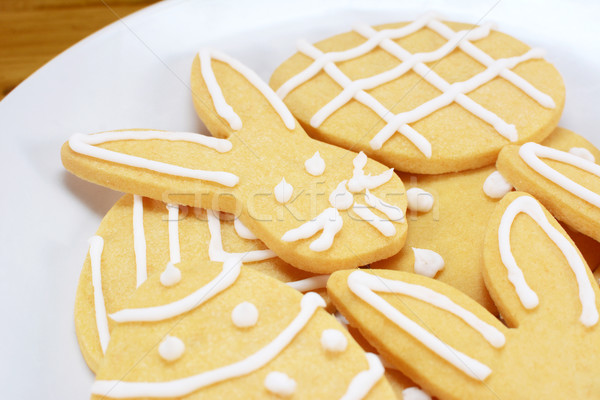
x: 174, y: 250
x: 496, y: 186
x: 427, y: 262
x: 329, y: 221
x: 283, y: 191
x: 280, y: 384
x: 183, y: 386
x: 308, y: 284
x: 215, y: 245
x: 139, y: 240
x: 416, y: 62
x: 364, y: 381
x: 529, y: 299
x: 221, y: 106
x: 315, y: 165
x: 364, y: 286
x: 394, y: 213
x: 242, y: 230
x: 86, y: 145
x: 341, y: 198
x: 419, y: 200
x: 333, y: 341
x: 414, y: 393
x: 171, y: 348
x: 226, y: 278
x: 531, y: 153
x: 583, y: 153
x: 171, y: 275
x: 244, y: 315
x: 384, y: 226
x: 341, y: 319
x: 96, y: 247
x: 361, y: 181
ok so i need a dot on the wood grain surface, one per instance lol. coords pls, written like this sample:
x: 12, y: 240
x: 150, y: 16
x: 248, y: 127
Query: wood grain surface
x: 32, y: 32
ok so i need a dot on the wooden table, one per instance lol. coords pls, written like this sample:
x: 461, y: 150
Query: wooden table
x: 32, y: 32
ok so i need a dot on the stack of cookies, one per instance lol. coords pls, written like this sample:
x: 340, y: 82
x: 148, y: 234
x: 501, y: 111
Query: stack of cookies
x: 395, y: 216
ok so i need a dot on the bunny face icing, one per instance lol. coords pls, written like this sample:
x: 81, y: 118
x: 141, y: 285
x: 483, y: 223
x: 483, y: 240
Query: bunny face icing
x: 256, y: 145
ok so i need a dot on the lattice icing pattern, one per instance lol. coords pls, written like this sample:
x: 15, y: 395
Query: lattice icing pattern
x: 450, y: 93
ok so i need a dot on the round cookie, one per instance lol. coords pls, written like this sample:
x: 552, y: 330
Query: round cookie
x: 565, y: 178
x: 455, y: 226
x: 455, y: 349
x: 425, y: 97
x: 259, y: 173
x: 140, y: 237
x: 183, y: 341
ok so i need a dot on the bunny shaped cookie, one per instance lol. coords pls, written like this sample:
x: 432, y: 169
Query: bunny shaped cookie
x: 455, y: 349
x: 213, y: 335
x: 284, y: 186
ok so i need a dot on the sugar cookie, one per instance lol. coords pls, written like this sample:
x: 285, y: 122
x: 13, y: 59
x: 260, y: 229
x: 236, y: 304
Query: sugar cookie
x: 455, y: 227
x: 455, y: 349
x: 424, y: 97
x: 137, y: 242
x: 279, y: 356
x: 567, y: 184
x: 239, y: 174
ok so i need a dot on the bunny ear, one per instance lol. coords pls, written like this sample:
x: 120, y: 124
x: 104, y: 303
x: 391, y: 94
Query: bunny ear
x: 533, y: 270
x: 229, y: 97
x: 563, y: 177
x: 439, y: 337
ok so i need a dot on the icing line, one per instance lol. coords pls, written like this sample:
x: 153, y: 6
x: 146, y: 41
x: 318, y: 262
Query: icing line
x: 181, y: 387
x: 85, y: 144
x: 364, y: 381
x: 221, y: 106
x: 531, y: 152
x: 364, y: 285
x: 139, y: 240
x: 242, y: 230
x: 529, y: 299
x: 174, y: 251
x: 384, y: 226
x: 329, y: 221
x: 215, y: 245
x: 227, y: 276
x: 308, y: 284
x: 96, y: 247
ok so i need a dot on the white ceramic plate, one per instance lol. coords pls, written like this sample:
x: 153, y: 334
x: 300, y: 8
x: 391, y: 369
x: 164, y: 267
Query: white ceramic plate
x: 134, y: 74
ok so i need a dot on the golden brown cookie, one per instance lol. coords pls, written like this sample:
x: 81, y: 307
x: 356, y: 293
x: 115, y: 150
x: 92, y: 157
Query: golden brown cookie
x: 213, y: 335
x: 564, y: 177
x: 447, y: 239
x: 455, y: 349
x: 141, y: 236
x: 306, y: 200
x: 426, y: 96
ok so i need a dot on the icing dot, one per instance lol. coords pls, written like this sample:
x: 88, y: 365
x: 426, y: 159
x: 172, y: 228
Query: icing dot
x: 280, y: 384
x: 427, y: 262
x: 244, y: 315
x: 583, y: 153
x: 243, y: 231
x: 333, y: 340
x: 283, y: 191
x: 341, y: 198
x: 495, y: 186
x: 315, y: 165
x: 419, y: 200
x: 171, y: 348
x: 171, y: 275
x: 414, y: 393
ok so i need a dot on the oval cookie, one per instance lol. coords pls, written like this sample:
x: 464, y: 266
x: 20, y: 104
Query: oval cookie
x: 426, y: 96
x: 140, y: 237
x: 185, y: 341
